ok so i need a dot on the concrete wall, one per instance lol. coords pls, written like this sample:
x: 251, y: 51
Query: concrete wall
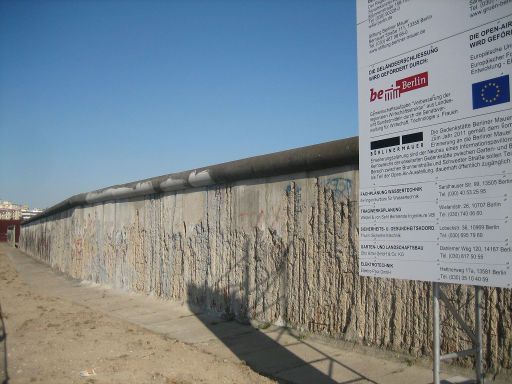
x: 282, y: 249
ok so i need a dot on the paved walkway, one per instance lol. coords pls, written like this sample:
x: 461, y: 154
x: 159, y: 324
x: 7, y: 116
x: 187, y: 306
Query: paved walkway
x: 274, y: 352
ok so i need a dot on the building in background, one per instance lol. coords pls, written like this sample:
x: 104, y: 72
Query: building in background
x: 27, y: 213
x: 9, y: 211
x: 11, y: 216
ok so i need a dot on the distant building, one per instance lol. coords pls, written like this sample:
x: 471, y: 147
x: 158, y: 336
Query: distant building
x: 9, y: 211
x: 11, y: 215
x: 27, y: 213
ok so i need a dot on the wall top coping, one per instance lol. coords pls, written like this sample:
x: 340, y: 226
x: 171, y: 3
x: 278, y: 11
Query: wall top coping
x: 314, y: 157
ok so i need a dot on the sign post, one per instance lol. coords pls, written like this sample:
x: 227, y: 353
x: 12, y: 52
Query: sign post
x: 435, y: 134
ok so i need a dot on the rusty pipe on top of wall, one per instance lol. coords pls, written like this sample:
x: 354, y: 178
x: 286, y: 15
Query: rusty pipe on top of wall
x: 320, y: 156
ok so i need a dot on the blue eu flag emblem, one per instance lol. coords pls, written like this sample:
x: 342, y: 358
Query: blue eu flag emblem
x: 491, y: 92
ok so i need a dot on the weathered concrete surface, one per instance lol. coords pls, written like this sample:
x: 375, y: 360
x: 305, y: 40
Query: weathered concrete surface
x: 281, y: 250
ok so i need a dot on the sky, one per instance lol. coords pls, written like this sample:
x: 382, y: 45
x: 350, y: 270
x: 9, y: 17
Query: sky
x: 97, y: 93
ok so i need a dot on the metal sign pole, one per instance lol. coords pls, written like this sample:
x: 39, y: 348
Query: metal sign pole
x: 478, y: 331
x: 437, y: 336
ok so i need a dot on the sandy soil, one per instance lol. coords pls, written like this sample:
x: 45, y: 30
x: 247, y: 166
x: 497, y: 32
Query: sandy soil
x: 50, y: 340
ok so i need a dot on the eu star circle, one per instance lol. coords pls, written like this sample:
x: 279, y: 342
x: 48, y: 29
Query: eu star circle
x: 490, y: 92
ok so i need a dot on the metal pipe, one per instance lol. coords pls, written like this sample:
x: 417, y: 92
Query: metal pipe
x: 478, y: 331
x: 454, y: 355
x: 437, y: 345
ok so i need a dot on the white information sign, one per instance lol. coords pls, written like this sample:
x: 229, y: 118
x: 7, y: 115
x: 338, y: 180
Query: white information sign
x: 435, y: 131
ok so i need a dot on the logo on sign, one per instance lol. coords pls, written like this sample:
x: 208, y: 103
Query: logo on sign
x: 491, y: 92
x: 401, y: 86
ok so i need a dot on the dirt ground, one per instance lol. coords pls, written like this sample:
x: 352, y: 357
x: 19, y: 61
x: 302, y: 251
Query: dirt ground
x: 50, y: 340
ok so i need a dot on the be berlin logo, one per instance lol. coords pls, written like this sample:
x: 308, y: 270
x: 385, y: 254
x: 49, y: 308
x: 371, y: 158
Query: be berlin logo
x: 406, y: 84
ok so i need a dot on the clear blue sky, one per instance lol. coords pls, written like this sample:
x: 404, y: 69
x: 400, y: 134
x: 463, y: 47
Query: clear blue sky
x: 96, y: 93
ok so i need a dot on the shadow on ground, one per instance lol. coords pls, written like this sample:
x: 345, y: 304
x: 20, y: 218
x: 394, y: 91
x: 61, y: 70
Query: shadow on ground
x: 269, y: 352
x: 275, y: 352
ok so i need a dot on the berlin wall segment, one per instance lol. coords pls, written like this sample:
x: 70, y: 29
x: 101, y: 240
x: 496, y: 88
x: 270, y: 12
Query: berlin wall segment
x: 282, y: 249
